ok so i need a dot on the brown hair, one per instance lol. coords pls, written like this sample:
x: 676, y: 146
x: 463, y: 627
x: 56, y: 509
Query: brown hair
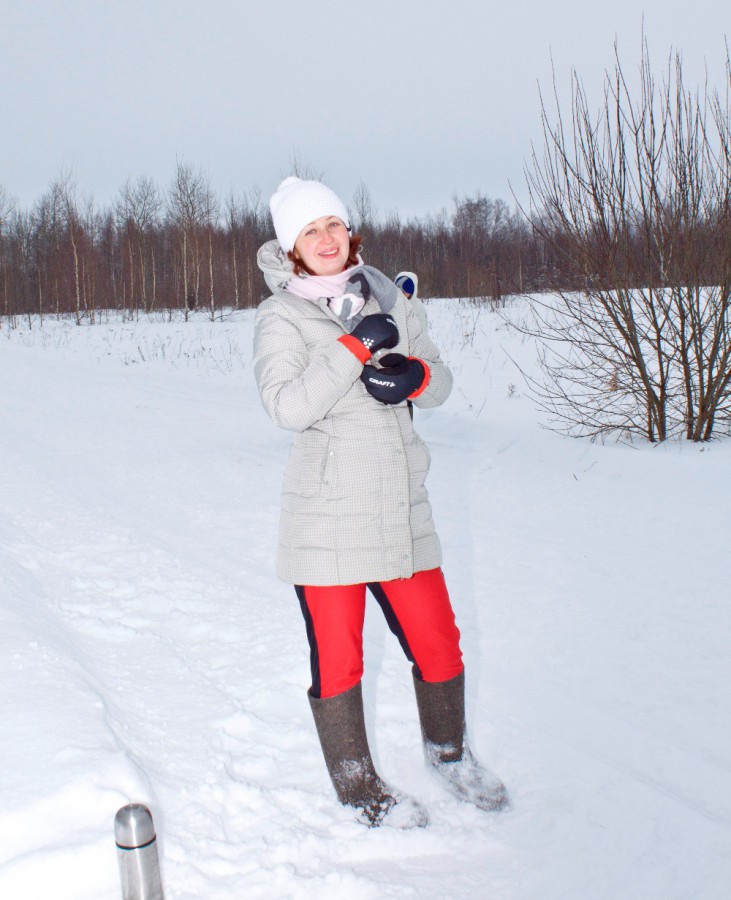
x: 355, y: 248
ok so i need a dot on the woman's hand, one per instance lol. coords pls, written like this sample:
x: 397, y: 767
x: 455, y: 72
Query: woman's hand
x: 371, y: 334
x: 398, y: 378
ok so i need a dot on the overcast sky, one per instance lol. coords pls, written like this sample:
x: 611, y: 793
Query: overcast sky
x: 420, y: 99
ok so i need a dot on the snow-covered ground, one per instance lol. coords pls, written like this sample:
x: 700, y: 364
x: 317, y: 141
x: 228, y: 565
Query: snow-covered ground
x: 148, y: 653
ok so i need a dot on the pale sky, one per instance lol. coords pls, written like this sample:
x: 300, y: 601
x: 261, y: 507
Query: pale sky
x: 420, y: 99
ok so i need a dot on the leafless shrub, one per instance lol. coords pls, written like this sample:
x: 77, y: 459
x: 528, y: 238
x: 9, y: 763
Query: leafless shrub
x: 636, y: 203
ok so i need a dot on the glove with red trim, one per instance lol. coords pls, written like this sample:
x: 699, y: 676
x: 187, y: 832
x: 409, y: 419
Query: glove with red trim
x: 398, y: 378
x: 373, y: 333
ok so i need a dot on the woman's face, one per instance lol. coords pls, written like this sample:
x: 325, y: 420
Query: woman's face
x: 324, y: 245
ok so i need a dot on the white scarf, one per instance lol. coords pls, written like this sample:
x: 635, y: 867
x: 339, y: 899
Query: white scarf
x: 331, y: 287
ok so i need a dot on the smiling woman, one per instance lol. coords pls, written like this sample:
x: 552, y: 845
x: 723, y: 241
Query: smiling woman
x: 323, y: 247
x: 355, y: 511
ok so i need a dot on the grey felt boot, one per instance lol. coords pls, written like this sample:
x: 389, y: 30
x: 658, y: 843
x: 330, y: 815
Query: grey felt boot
x: 341, y: 728
x: 441, y: 713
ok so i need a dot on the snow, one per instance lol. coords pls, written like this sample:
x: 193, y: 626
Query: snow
x: 148, y: 653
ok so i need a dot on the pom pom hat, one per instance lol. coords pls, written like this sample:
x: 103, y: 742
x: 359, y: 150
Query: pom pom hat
x: 296, y: 203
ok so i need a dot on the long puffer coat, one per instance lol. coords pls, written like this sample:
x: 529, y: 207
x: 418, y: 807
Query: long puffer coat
x: 354, y: 505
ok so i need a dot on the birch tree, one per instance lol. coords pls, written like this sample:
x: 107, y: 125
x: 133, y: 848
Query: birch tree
x: 6, y: 209
x: 138, y: 215
x: 187, y: 206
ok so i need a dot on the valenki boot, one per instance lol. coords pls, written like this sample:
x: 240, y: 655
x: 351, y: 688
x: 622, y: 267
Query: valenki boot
x: 341, y: 728
x: 441, y: 713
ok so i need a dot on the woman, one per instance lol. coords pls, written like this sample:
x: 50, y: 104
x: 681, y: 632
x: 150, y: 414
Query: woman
x: 355, y: 512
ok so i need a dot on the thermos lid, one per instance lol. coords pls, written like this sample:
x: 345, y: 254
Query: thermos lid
x: 133, y: 827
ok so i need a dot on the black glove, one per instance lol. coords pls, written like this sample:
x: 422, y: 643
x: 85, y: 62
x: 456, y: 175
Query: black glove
x: 367, y: 282
x: 397, y: 378
x: 376, y: 332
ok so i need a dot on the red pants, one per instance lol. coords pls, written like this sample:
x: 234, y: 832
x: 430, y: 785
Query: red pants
x: 417, y: 610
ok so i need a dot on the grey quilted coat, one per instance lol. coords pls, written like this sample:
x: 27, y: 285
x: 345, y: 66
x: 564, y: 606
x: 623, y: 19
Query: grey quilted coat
x: 354, y: 506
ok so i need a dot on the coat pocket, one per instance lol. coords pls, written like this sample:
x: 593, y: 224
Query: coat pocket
x: 419, y: 457
x: 312, y: 470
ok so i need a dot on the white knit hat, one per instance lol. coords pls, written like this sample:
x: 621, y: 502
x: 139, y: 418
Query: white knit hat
x: 296, y: 203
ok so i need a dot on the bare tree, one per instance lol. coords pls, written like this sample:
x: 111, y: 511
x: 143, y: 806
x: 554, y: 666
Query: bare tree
x: 7, y: 205
x: 90, y: 220
x: 63, y: 196
x: 301, y: 168
x: 48, y: 225
x: 634, y: 204
x: 138, y: 214
x: 234, y: 225
x: 484, y: 227
x: 187, y: 206
x: 364, y: 212
x: 210, y: 219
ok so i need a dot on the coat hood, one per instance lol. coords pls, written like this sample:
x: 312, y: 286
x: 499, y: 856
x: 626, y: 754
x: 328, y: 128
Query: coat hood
x: 413, y: 277
x: 275, y: 266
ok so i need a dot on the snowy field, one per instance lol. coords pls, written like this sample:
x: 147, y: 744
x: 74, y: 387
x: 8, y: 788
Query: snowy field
x: 148, y: 653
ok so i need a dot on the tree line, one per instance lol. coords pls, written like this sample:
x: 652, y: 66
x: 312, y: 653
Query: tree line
x: 184, y: 247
